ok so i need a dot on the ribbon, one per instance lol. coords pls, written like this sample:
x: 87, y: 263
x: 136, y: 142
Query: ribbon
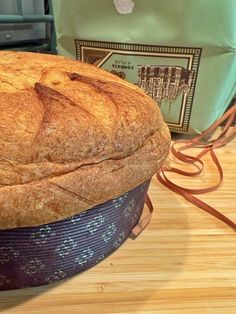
x: 227, y: 134
x: 143, y: 222
x: 208, y: 146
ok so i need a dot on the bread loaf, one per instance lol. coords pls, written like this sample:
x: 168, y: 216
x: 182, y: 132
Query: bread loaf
x: 71, y: 136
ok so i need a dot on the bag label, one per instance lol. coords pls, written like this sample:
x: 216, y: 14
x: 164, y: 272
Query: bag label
x: 167, y: 74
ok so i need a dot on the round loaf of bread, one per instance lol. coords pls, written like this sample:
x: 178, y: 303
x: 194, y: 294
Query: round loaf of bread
x: 71, y: 136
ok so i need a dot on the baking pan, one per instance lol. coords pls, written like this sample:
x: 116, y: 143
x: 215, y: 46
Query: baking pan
x: 35, y: 256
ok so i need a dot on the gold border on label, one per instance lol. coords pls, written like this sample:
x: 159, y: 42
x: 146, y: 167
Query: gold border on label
x: 192, y: 55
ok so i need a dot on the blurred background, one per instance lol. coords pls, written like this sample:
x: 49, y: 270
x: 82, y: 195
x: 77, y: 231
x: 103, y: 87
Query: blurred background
x: 27, y: 25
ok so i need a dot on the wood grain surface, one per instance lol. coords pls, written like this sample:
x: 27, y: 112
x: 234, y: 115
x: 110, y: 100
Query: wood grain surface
x: 184, y: 262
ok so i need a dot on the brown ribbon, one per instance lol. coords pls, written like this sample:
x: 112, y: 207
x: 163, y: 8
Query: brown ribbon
x: 143, y: 222
x: 226, y: 135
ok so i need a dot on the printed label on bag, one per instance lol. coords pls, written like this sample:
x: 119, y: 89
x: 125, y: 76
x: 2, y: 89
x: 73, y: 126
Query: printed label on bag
x: 167, y: 74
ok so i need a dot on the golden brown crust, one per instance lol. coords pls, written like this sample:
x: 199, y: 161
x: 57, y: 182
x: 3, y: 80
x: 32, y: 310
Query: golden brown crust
x: 71, y: 136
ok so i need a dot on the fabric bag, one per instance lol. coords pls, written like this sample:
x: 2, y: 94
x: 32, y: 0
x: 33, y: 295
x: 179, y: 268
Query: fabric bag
x: 181, y: 53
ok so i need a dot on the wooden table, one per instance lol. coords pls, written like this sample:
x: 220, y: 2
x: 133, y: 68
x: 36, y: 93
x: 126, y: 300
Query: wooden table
x: 184, y: 262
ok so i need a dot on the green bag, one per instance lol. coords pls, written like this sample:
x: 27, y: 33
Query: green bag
x: 181, y: 53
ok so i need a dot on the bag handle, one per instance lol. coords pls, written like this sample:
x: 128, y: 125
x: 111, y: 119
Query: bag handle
x: 177, y: 149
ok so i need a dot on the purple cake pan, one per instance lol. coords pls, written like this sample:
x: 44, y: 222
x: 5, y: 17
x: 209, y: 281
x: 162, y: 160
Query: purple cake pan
x: 35, y: 256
